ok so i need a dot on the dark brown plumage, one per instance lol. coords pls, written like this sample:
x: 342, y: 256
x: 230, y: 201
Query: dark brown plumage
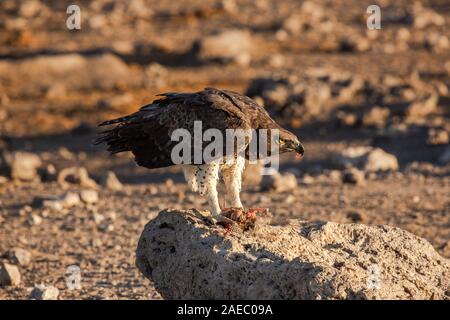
x: 147, y: 132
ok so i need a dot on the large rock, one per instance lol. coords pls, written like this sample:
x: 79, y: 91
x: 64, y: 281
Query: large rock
x: 187, y: 259
x: 366, y: 158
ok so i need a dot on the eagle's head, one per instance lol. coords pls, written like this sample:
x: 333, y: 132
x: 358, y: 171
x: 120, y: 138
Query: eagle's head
x: 289, y: 142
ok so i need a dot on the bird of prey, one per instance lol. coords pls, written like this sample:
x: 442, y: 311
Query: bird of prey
x: 147, y: 133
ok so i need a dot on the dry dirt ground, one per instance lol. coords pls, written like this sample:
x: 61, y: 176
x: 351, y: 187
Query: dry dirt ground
x: 56, y: 85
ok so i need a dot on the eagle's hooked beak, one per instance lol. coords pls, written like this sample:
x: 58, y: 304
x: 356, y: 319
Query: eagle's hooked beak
x: 296, y: 147
x: 299, y: 149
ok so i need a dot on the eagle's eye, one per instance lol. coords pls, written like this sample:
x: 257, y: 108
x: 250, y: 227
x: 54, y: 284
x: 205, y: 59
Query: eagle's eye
x: 281, y: 141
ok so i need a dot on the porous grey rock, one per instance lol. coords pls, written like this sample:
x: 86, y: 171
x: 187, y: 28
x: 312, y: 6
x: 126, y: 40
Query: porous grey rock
x: 366, y: 158
x: 9, y: 274
x: 43, y: 292
x: 188, y: 259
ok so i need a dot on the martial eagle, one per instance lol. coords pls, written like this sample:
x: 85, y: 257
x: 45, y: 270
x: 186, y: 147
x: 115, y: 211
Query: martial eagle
x: 147, y: 133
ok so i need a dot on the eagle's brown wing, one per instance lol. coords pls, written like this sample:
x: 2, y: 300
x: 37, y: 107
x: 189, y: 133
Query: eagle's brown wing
x: 147, y: 133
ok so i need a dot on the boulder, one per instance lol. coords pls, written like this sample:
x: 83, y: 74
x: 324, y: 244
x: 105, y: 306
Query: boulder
x: 187, y: 258
x: 366, y: 158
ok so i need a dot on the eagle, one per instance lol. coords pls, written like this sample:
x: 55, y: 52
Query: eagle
x: 148, y: 134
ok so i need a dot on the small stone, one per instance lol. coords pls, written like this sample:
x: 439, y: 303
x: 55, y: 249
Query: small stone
x: 35, y: 219
x: 89, y: 196
x: 307, y: 179
x: 228, y: 45
x: 55, y: 205
x: 335, y: 175
x: 20, y: 256
x: 346, y: 119
x: 96, y: 242
x: 106, y: 227
x: 380, y: 160
x: 279, y: 183
x: 112, y: 182
x: 9, y: 274
x: 25, y: 210
x: 23, y: 165
x: 70, y: 199
x: 366, y: 158
x: 43, y: 292
x: 438, y: 136
x: 153, y: 190
x: 376, y: 117
x: 66, y: 154
x: 423, y: 106
x: 3, y: 180
x: 76, y: 175
x: 98, y: 218
x: 48, y: 173
x: 111, y: 215
x: 353, y: 176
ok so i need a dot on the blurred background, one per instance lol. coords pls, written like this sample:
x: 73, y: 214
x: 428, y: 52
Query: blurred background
x: 372, y: 108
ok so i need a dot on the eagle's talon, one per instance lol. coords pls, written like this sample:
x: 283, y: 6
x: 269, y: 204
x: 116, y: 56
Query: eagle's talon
x: 219, y: 220
x: 235, y: 214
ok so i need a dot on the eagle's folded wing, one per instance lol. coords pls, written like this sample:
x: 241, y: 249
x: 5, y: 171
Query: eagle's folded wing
x: 147, y: 133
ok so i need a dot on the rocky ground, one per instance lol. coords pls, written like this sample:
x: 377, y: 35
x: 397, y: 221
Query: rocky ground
x: 190, y: 259
x: 372, y: 109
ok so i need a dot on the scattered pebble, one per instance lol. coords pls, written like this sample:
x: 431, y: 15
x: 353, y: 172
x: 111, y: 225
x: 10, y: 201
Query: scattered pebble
x: 43, y: 292
x: 353, y: 176
x: 9, y: 274
x: 89, y: 196
x: 76, y: 175
x: 20, y: 256
x: 113, y: 183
